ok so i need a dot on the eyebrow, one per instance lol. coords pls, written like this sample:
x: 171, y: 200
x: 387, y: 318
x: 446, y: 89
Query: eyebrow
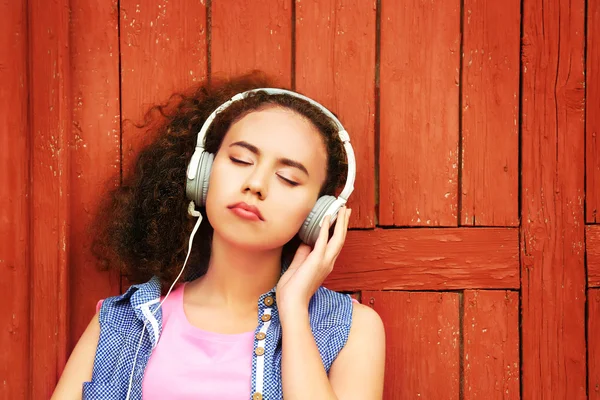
x: 284, y: 161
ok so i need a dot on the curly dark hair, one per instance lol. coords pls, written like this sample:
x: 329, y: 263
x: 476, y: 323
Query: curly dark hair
x: 143, y: 227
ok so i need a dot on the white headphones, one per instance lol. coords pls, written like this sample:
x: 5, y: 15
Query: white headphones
x: 198, y: 171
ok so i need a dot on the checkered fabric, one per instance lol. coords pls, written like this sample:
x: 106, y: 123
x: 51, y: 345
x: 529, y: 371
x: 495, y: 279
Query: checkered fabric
x: 130, y: 327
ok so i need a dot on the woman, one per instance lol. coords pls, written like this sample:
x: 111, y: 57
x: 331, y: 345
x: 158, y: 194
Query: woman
x: 251, y: 320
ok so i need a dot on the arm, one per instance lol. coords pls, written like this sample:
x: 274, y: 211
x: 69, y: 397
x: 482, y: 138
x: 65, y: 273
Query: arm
x: 357, y: 372
x: 81, y: 362
x: 302, y: 373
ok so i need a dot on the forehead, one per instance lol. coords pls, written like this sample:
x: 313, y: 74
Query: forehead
x: 281, y: 132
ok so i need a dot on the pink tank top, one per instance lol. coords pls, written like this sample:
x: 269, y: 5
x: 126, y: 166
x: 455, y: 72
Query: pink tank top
x: 190, y: 363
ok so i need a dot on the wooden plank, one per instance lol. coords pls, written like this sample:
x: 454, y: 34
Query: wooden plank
x: 592, y: 246
x: 552, y: 240
x: 593, y: 344
x: 428, y: 259
x: 490, y: 113
x: 163, y: 50
x: 491, y: 345
x: 422, y: 341
x: 592, y: 87
x: 420, y: 46
x: 95, y: 149
x: 51, y: 123
x: 335, y: 64
x: 15, y: 143
x: 254, y: 34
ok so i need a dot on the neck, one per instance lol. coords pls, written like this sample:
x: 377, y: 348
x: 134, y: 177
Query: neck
x: 238, y: 277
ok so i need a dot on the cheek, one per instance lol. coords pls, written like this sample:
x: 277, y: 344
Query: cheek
x: 218, y: 187
x: 293, y: 212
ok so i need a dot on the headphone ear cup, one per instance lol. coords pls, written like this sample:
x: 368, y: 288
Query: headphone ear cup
x: 197, y: 189
x: 309, y: 232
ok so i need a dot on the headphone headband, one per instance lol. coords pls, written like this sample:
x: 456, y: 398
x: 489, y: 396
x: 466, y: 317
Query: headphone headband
x: 344, y: 137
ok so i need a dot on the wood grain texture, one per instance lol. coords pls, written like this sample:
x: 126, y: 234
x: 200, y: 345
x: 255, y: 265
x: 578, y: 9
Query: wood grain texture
x: 15, y: 142
x: 552, y: 235
x: 95, y: 148
x: 491, y: 345
x: 420, y: 46
x: 254, y: 34
x: 51, y: 126
x: 428, y: 259
x: 335, y: 65
x: 592, y: 246
x: 163, y: 50
x: 593, y: 344
x: 422, y: 343
x: 592, y: 85
x: 490, y: 113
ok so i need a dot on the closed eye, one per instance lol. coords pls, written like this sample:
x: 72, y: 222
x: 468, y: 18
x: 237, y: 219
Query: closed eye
x: 236, y: 161
x: 240, y: 162
x: 290, y: 182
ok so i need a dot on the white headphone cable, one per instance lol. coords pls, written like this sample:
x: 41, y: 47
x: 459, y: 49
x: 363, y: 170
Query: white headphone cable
x: 194, y: 213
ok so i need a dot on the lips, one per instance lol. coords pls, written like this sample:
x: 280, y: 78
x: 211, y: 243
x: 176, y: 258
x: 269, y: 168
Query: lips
x: 247, y: 209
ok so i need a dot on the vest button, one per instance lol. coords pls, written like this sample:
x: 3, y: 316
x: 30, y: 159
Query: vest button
x: 266, y: 317
x: 268, y: 301
x: 257, y: 396
x: 260, y: 336
x: 259, y: 351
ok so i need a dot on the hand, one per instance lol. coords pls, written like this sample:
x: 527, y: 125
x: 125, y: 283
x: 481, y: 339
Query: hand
x: 309, y: 268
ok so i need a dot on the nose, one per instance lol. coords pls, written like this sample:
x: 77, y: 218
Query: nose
x: 257, y: 183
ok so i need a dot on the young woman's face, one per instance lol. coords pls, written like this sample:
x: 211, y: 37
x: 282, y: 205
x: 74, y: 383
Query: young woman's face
x: 266, y: 177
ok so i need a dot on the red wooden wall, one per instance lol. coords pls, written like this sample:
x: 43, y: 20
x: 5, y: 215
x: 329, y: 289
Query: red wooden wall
x: 474, y: 234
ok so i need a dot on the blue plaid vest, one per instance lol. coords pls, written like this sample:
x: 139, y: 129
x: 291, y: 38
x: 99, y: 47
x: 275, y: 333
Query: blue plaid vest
x: 129, y: 331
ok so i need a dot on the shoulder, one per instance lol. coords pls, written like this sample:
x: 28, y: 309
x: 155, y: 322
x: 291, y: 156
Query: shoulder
x: 366, y: 325
x: 367, y: 332
x: 358, y: 371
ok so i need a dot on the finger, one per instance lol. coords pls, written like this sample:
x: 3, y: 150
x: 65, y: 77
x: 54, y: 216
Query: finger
x: 321, y: 242
x: 340, y: 225
x: 336, y: 247
x: 315, y: 258
x: 337, y: 241
x: 348, y: 221
x: 340, y: 221
x: 347, y: 224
